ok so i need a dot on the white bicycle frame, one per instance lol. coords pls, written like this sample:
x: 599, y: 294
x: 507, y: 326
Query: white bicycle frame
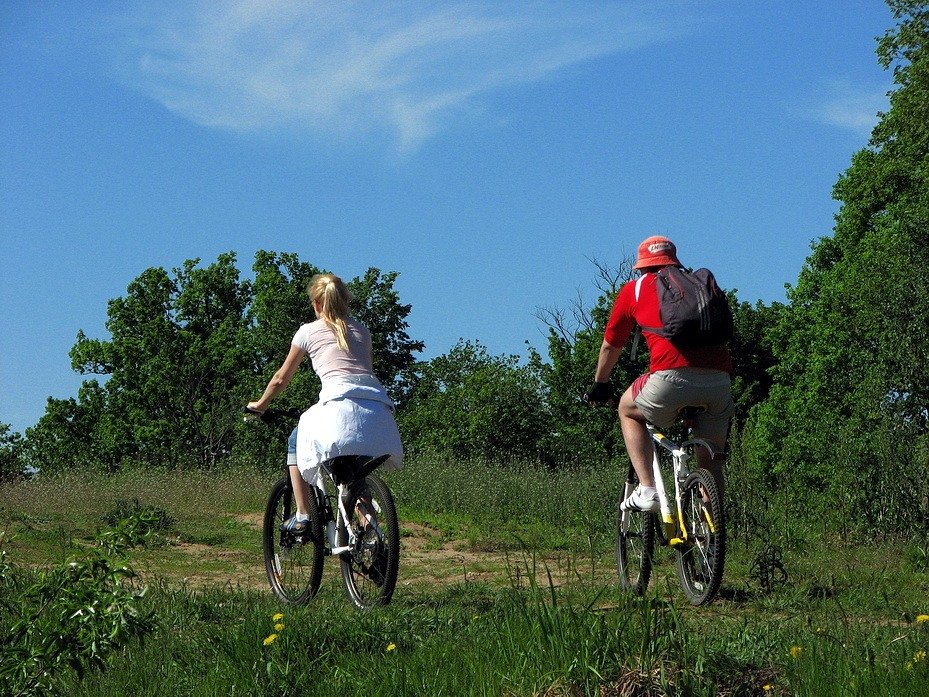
x: 342, y: 517
x: 679, y: 455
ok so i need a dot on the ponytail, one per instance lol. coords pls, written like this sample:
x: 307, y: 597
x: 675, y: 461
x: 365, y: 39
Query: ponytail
x: 329, y: 292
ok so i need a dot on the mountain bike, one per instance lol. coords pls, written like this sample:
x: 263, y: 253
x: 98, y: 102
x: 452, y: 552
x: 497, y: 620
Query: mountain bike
x: 695, y: 528
x: 354, y: 518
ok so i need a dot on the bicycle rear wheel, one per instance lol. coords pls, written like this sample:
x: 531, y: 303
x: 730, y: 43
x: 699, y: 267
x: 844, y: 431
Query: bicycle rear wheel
x: 702, y: 556
x: 294, y: 563
x: 635, y: 543
x: 369, y: 570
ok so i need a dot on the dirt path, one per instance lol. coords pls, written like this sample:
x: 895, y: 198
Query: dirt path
x: 427, y: 558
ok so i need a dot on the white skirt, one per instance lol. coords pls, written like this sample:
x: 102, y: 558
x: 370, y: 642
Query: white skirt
x: 354, y: 416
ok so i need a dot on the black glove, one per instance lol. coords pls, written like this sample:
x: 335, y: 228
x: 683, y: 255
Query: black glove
x: 600, y: 393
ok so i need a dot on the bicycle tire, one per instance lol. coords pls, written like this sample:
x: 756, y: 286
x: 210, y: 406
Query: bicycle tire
x: 635, y: 543
x: 702, y: 556
x: 294, y: 563
x: 369, y: 571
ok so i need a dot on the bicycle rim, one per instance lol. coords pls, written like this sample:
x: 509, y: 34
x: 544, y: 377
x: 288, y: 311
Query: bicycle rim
x: 635, y: 544
x: 294, y: 563
x: 702, y: 556
x: 369, y: 570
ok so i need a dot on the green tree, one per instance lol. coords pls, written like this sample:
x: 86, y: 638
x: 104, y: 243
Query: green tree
x: 178, y: 351
x: 752, y: 351
x: 852, y: 376
x: 12, y: 464
x: 582, y: 433
x: 187, y: 350
x: 73, y: 433
x: 468, y: 403
x: 377, y: 305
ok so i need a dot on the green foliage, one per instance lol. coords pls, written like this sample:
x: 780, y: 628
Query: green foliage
x: 75, y: 616
x: 847, y: 411
x: 583, y: 434
x: 753, y: 355
x: 377, y: 305
x: 11, y: 459
x: 468, y: 402
x: 131, y: 524
x: 187, y: 350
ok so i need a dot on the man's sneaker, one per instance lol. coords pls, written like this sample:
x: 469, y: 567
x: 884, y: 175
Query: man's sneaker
x: 297, y: 527
x: 637, y: 501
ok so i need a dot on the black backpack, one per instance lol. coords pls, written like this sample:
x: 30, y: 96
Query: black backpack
x: 694, y: 311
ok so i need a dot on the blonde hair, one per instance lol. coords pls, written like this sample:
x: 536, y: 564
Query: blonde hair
x: 329, y: 292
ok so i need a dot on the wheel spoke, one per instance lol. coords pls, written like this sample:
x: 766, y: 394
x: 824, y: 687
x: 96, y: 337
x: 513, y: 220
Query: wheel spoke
x: 293, y: 563
x: 700, y: 561
x: 369, y: 570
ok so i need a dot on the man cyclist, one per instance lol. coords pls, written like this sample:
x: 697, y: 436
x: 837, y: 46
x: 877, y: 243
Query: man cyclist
x: 677, y: 377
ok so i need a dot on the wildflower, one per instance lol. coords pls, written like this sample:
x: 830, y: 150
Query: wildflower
x: 909, y: 665
x: 270, y: 639
x: 922, y: 618
x: 279, y: 627
x: 277, y: 617
x: 796, y: 651
x: 391, y: 647
x: 919, y: 656
x: 767, y: 687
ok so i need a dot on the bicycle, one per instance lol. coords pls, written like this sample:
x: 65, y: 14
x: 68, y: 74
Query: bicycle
x: 695, y: 529
x: 357, y: 522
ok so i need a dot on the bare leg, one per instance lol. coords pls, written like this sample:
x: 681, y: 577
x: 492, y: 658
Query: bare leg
x: 638, y: 441
x: 301, y: 490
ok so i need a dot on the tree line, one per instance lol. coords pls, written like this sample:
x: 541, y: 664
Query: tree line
x: 831, y: 387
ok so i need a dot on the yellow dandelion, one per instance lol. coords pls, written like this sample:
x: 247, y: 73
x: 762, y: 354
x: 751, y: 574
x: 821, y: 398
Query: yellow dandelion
x: 270, y: 639
x: 279, y: 627
x: 277, y: 617
x: 796, y: 651
x: 768, y: 687
x: 922, y: 618
x: 919, y: 656
x: 909, y: 665
x: 391, y: 647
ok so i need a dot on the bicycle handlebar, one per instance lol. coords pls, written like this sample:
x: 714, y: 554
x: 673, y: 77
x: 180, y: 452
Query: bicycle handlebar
x: 271, y: 415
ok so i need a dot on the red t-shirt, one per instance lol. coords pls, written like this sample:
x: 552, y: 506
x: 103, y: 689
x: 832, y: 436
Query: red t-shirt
x: 663, y: 355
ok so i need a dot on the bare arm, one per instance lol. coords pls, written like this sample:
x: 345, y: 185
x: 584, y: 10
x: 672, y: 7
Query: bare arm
x: 609, y: 354
x: 281, y: 378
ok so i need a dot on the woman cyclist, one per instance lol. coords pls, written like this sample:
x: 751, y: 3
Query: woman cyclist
x: 354, y: 415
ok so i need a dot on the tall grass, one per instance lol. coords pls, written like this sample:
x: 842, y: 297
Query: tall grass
x: 569, y: 507
x: 851, y: 615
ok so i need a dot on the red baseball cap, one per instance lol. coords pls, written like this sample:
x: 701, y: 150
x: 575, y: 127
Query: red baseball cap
x: 656, y: 251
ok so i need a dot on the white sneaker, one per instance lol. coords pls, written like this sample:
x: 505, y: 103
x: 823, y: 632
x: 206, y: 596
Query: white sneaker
x: 637, y: 501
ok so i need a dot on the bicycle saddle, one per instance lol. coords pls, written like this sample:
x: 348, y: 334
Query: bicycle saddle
x: 346, y: 469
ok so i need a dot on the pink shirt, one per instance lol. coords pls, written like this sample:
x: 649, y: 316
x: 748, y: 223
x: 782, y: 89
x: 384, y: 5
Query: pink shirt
x: 330, y: 361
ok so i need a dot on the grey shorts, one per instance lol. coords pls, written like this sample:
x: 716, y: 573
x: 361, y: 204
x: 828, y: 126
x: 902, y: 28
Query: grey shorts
x: 663, y: 394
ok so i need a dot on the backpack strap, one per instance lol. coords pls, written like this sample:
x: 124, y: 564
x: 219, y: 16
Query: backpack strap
x: 638, y: 330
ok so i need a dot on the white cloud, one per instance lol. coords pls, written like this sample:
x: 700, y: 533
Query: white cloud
x: 852, y: 108
x: 347, y: 68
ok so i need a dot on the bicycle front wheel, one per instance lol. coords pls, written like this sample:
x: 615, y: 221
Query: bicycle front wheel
x: 369, y: 570
x: 702, y: 555
x: 635, y: 543
x: 294, y: 563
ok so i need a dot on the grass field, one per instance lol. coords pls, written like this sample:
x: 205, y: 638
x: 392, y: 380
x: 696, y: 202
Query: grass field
x: 507, y: 587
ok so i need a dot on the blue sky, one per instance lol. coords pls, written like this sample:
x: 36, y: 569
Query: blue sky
x: 486, y: 151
